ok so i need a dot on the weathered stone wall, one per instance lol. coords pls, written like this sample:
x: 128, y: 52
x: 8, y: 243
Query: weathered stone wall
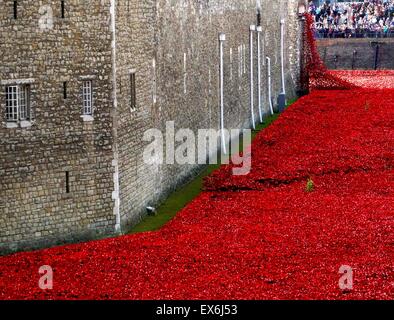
x: 357, y: 53
x: 35, y: 209
x: 135, y: 23
x: 293, y: 40
x: 172, y: 47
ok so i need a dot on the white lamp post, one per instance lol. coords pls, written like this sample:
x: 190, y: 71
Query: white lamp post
x: 222, y: 38
x: 252, y: 30
x: 259, y: 31
x: 269, y: 85
x: 282, y: 53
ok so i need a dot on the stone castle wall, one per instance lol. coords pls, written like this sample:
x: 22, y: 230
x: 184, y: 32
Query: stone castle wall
x: 35, y: 209
x: 172, y: 48
x: 176, y: 58
x: 357, y: 53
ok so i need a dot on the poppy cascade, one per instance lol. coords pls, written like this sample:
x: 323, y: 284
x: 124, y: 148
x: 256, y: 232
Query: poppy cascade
x: 314, y: 74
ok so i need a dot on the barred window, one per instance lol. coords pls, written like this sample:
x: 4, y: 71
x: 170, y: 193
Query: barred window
x: 87, y: 98
x: 17, y: 103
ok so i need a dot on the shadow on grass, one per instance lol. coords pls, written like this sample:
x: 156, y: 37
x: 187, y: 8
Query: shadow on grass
x: 185, y: 194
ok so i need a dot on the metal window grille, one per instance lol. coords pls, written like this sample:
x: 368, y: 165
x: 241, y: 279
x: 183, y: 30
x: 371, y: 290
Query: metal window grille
x: 24, y: 102
x: 11, y: 108
x: 87, y: 98
x: 17, y: 107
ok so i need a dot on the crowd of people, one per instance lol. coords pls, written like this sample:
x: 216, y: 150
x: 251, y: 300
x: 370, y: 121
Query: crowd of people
x: 369, y: 18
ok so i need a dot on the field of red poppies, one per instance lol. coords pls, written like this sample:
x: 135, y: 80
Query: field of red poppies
x: 320, y: 196
x: 260, y: 236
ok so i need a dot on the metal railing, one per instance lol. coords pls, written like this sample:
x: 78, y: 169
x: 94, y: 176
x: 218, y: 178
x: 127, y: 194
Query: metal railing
x: 353, y: 34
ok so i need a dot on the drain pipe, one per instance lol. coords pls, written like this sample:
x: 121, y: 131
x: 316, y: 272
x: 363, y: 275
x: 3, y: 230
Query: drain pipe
x: 259, y: 31
x: 252, y: 29
x: 282, y: 53
x: 269, y: 85
x: 222, y: 38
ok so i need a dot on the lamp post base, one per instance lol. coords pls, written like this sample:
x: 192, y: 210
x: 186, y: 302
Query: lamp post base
x: 281, y: 102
